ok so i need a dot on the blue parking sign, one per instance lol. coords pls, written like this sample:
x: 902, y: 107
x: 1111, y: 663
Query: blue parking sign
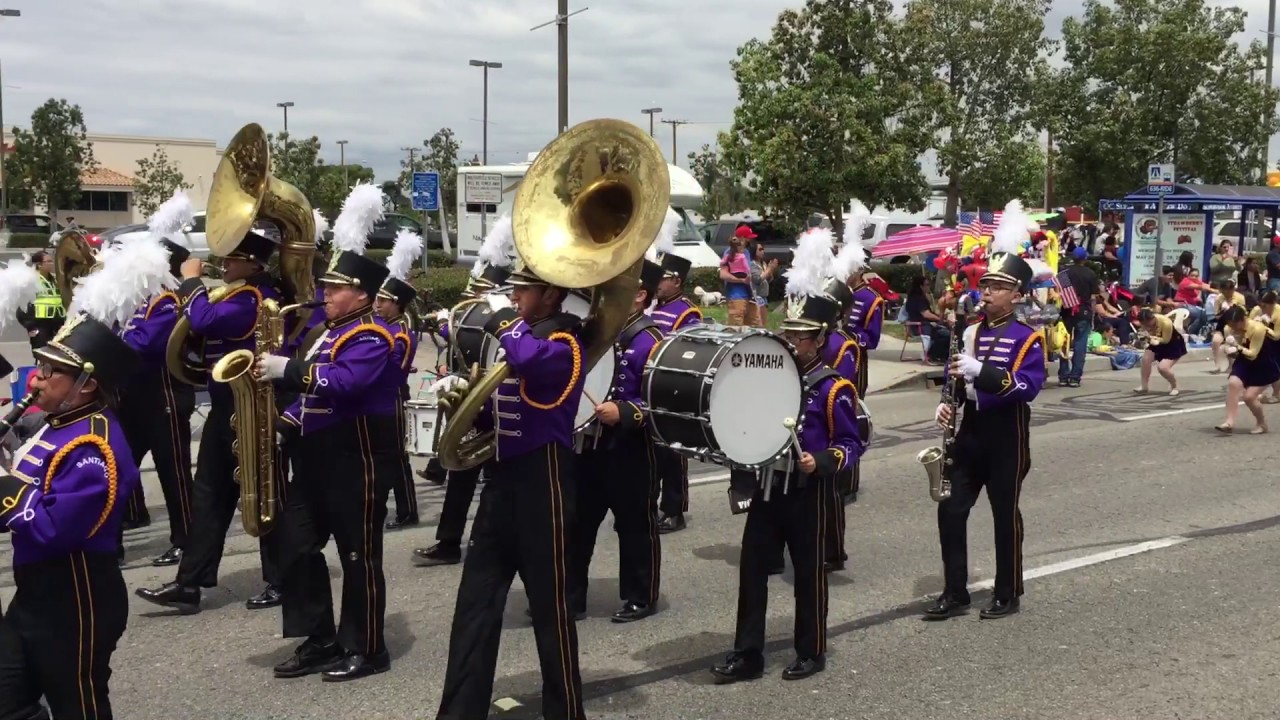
x: 426, y: 191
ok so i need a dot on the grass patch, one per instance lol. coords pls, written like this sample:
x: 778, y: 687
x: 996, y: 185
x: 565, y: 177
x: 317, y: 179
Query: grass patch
x: 720, y: 314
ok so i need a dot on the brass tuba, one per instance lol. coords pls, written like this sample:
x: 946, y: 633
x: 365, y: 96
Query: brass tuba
x: 244, y: 192
x: 588, y: 208
x: 73, y: 258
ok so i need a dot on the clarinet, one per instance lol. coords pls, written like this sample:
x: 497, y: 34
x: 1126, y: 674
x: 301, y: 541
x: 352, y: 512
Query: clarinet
x: 6, y: 425
x: 937, y: 460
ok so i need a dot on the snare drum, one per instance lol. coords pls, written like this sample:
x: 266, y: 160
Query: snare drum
x: 722, y: 393
x: 420, y: 428
x: 599, y: 381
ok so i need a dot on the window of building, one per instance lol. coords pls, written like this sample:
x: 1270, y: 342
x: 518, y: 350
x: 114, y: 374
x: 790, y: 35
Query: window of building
x: 103, y: 201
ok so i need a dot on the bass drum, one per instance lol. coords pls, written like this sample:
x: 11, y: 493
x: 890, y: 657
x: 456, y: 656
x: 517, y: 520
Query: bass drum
x: 469, y: 343
x: 722, y: 394
x: 599, y: 381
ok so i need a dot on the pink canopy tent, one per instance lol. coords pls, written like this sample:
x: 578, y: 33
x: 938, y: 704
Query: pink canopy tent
x: 916, y: 241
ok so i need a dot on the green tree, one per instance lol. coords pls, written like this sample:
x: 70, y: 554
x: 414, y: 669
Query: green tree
x: 298, y: 162
x: 155, y: 181
x: 830, y: 108
x: 51, y: 157
x: 1157, y: 81
x: 989, y: 55
x: 440, y: 153
x: 329, y: 190
x: 724, y: 192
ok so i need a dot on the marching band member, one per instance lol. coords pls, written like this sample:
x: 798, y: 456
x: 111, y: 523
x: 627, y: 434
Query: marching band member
x: 347, y: 455
x: 672, y: 313
x: 63, y: 498
x: 525, y: 509
x: 226, y: 325
x: 865, y: 322
x: 492, y: 268
x: 1253, y: 369
x: 1003, y: 365
x: 392, y: 301
x: 155, y: 409
x: 616, y: 474
x: 794, y: 509
x: 1167, y: 346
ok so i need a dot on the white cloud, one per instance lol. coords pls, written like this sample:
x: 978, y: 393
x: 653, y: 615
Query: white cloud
x: 385, y: 74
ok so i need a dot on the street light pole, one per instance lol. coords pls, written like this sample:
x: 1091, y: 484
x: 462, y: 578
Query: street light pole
x: 342, y: 159
x: 4, y: 148
x: 285, y: 106
x: 651, y: 112
x: 486, y: 65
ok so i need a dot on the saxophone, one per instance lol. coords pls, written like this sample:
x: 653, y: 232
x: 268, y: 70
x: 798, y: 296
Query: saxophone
x: 937, y: 460
x: 254, y: 418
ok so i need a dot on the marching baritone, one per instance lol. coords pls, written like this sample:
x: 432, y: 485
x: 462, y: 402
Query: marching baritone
x: 62, y: 502
x: 392, y: 302
x: 673, y: 313
x: 156, y: 408
x: 226, y: 324
x: 791, y: 510
x: 526, y: 508
x: 1003, y: 367
x: 617, y: 474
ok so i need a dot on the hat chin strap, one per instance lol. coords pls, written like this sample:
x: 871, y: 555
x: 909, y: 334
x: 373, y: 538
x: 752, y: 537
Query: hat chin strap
x: 65, y: 405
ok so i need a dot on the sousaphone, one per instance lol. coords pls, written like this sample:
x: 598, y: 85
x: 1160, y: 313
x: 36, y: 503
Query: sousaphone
x: 73, y: 258
x: 587, y: 209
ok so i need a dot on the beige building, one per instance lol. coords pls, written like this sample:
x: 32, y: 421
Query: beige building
x: 106, y: 199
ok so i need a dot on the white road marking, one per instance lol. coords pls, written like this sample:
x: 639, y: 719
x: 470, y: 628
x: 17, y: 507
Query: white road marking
x: 1094, y: 559
x: 1170, y: 413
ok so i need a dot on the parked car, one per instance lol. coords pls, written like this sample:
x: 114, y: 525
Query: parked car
x: 384, y: 233
x: 27, y: 223
x: 777, y: 245
x: 194, y: 235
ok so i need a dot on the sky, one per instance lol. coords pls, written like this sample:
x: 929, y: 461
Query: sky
x: 386, y: 74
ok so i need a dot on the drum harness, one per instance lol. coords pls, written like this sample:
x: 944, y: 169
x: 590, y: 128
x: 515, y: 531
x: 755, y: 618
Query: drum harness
x: 595, y: 429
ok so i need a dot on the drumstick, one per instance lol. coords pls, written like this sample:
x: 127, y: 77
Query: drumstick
x: 790, y: 424
x: 593, y: 401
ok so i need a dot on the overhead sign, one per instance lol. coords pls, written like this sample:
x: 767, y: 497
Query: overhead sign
x: 1160, y: 179
x: 482, y: 189
x: 426, y: 191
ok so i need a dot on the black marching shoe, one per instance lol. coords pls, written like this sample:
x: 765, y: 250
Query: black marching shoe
x: 356, y: 665
x: 185, y: 600
x: 802, y: 668
x: 310, y: 658
x: 671, y: 523
x: 172, y: 556
x: 738, y: 667
x: 268, y: 598
x: 402, y: 521
x: 999, y: 609
x: 438, y: 554
x: 833, y: 566
x: 632, y: 611
x: 945, y: 607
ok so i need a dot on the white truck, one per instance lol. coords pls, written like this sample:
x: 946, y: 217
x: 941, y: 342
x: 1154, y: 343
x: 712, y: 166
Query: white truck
x: 491, y: 189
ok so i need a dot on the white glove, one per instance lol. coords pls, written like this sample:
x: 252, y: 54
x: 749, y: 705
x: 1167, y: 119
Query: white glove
x: 938, y: 414
x: 969, y: 366
x: 272, y: 366
x: 448, y: 383
x: 442, y: 315
x: 498, y: 302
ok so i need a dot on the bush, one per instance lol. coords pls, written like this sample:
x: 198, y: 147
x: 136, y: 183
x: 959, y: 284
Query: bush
x: 435, y: 258
x: 441, y: 285
x: 28, y: 240
x: 897, y: 275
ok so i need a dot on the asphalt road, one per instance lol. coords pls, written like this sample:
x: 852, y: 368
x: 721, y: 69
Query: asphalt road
x: 1151, y: 586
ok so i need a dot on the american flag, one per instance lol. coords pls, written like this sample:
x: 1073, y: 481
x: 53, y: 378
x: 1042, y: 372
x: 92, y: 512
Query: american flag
x: 1066, y: 291
x: 979, y: 224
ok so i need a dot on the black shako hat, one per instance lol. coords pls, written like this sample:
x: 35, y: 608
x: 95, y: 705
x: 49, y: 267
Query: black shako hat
x: 840, y: 292
x: 93, y: 348
x: 819, y: 313
x: 1009, y: 268
x: 177, y: 255
x: 675, y: 266
x: 650, y: 275
x: 399, y: 291
x: 357, y: 271
x: 255, y: 246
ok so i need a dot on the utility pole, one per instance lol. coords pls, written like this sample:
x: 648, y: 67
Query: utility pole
x: 651, y: 112
x: 1048, y: 172
x: 413, y: 151
x: 562, y: 34
x: 675, y: 124
x: 4, y: 185
x: 342, y: 159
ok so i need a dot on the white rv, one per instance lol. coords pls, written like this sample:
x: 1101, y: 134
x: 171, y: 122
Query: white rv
x: 491, y: 189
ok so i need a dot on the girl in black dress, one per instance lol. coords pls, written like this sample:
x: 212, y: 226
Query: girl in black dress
x: 1166, y: 347
x: 1253, y: 369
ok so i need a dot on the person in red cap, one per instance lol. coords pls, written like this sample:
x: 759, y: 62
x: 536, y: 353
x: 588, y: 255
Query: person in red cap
x: 735, y: 271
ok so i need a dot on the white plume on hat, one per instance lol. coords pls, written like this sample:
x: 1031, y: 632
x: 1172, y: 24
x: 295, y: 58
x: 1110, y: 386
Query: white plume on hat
x: 362, y: 209
x: 322, y: 225
x: 812, y: 265
x: 1011, y: 233
x: 408, y: 248
x: 498, y: 247
x: 19, y: 285
x: 853, y: 255
x: 174, y: 214
x: 665, y: 242
x: 129, y: 275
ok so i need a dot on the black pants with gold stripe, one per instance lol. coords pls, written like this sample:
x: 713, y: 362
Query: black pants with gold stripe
x: 673, y: 472
x: 992, y: 450
x: 459, y: 491
x: 618, y: 475
x: 794, y: 520
x: 59, y: 633
x: 215, y: 495
x: 342, y: 476
x: 156, y: 414
x: 522, y: 527
x: 405, y: 493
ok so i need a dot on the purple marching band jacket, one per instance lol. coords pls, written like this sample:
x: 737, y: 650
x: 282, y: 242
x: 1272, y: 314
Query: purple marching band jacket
x: 866, y: 317
x: 294, y: 341
x: 630, y: 354
x: 344, y: 376
x: 538, y: 404
x: 841, y: 354
x: 66, y: 493
x: 404, y: 348
x: 1013, y: 362
x: 675, y: 315
x: 147, y: 332
x: 227, y: 324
